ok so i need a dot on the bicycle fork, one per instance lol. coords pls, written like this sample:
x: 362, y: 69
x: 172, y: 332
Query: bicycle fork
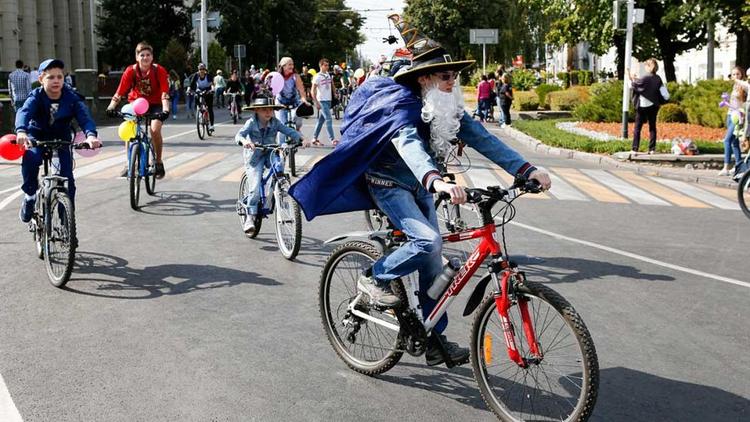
x: 503, y: 302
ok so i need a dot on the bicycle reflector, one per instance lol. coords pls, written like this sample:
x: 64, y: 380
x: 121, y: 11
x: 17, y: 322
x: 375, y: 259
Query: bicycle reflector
x: 487, y: 349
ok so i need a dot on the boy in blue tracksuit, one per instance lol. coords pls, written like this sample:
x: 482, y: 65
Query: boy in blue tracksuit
x: 46, y: 115
x: 261, y: 128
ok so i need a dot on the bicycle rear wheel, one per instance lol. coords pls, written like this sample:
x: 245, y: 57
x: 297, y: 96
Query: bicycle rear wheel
x: 59, y: 248
x: 150, y: 176
x: 365, y: 346
x: 288, y: 220
x: 135, y: 178
x: 38, y: 228
x: 562, y: 385
x: 199, y: 124
x: 743, y: 193
x: 242, y: 209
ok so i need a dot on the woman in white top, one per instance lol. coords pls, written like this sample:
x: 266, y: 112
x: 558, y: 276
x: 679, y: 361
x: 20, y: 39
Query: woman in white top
x: 736, y: 102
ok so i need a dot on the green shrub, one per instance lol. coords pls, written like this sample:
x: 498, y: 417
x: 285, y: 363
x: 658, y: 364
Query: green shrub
x: 473, y: 78
x: 585, y: 77
x: 605, y: 104
x: 701, y: 103
x: 542, y: 91
x: 546, y: 132
x: 564, y: 100
x: 678, y: 91
x: 564, y: 77
x: 671, y: 113
x: 523, y: 79
x: 525, y: 101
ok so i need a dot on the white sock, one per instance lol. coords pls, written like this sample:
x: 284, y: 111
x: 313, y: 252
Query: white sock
x: 29, y: 197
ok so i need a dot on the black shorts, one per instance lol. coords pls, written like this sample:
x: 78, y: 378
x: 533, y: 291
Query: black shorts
x: 156, y: 109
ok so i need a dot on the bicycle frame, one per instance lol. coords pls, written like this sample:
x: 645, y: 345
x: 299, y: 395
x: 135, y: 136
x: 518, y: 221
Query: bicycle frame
x: 276, y: 169
x: 143, y: 126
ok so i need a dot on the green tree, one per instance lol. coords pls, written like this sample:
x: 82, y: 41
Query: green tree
x: 174, y: 57
x: 125, y: 24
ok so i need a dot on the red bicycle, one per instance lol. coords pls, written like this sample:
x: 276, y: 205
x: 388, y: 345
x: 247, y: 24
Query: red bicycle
x: 549, y: 370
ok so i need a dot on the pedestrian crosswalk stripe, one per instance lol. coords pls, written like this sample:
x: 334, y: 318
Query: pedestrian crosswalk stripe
x: 483, y: 177
x: 590, y: 187
x: 178, y: 159
x: 730, y: 194
x: 698, y: 193
x: 218, y: 170
x: 195, y: 165
x: 562, y: 190
x: 633, y: 193
x: 115, y: 170
x: 98, y: 166
x: 462, y: 180
x: 302, y: 159
x: 234, y: 176
x: 508, y: 180
x: 659, y: 190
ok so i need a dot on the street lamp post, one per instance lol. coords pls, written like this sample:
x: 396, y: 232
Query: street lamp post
x: 628, y: 60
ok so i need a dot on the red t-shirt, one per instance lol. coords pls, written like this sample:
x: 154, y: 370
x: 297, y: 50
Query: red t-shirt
x: 150, y: 86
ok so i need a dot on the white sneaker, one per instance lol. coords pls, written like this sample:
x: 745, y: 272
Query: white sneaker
x: 249, y: 226
x: 724, y: 172
x: 211, y: 128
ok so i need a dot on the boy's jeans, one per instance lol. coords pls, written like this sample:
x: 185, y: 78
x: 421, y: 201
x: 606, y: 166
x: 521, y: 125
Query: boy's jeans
x: 32, y: 159
x: 412, y: 212
x: 255, y: 162
x: 731, y: 144
x: 325, y: 114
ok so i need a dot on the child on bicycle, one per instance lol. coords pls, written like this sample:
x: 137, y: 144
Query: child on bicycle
x: 45, y: 116
x: 261, y: 128
x: 234, y: 86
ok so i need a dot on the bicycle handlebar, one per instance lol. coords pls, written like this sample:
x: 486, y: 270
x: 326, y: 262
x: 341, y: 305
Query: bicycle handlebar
x: 59, y: 143
x: 277, y: 147
x: 520, y: 186
x: 150, y: 116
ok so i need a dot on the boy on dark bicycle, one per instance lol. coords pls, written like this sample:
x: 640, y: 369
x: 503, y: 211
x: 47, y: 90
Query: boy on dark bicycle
x: 45, y: 116
x: 234, y: 86
x: 203, y: 85
x: 262, y: 129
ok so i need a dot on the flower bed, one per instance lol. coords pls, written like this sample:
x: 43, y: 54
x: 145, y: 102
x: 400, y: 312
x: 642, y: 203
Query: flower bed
x: 663, y: 130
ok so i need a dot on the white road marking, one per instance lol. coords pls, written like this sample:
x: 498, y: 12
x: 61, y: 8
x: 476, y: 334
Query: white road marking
x: 564, y: 191
x: 483, y: 178
x: 698, y: 193
x: 10, y: 189
x: 624, y: 188
x: 8, y: 410
x: 8, y: 200
x: 99, y: 166
x: 218, y: 170
x: 634, y: 256
x: 178, y: 159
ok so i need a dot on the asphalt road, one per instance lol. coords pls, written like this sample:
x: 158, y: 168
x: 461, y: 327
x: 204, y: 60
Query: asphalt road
x: 172, y: 314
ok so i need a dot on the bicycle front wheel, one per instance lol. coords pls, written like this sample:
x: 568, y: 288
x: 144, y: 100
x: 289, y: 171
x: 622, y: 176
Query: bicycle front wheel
x: 292, y: 161
x: 242, y: 208
x: 150, y: 176
x: 135, y: 177
x: 743, y: 193
x: 561, y: 385
x: 288, y: 220
x: 365, y: 346
x: 59, y: 247
x: 199, y: 126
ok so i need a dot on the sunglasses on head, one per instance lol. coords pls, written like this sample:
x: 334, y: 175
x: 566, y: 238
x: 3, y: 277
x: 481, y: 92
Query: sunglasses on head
x: 447, y: 76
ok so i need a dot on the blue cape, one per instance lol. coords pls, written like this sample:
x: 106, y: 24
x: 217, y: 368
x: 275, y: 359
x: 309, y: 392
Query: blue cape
x: 336, y: 184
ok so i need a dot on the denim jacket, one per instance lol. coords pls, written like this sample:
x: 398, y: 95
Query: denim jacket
x: 36, y: 120
x: 409, y: 161
x: 264, y: 136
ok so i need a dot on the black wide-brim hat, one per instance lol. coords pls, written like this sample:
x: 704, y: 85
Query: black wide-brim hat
x: 428, y: 55
x: 263, y: 102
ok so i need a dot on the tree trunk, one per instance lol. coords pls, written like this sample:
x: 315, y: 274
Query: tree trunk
x: 619, y: 40
x: 669, y: 65
x: 743, y: 48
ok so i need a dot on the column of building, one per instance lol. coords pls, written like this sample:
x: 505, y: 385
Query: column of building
x: 90, y: 46
x: 77, y: 38
x: 45, y: 29
x: 63, y: 50
x: 9, y: 31
x: 30, y: 51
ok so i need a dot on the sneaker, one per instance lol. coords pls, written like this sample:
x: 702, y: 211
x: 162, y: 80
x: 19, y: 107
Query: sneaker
x: 27, y: 210
x: 724, y: 172
x: 160, y: 171
x: 459, y: 355
x: 211, y: 128
x: 381, y: 295
x: 249, y: 226
x: 174, y: 117
x: 124, y: 172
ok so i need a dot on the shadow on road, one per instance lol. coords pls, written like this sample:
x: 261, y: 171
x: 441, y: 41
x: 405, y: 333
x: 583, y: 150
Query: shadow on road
x: 625, y: 395
x: 101, y: 275
x: 183, y: 203
x: 570, y: 270
x: 309, y: 247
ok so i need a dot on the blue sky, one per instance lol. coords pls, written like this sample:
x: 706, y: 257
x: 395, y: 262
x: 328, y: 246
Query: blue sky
x: 376, y: 25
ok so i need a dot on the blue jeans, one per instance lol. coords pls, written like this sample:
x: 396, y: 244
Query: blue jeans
x: 175, y: 99
x: 413, y: 212
x: 255, y: 162
x: 731, y: 144
x: 32, y: 159
x: 190, y: 103
x: 282, y: 116
x: 501, y: 117
x: 324, y: 115
x: 219, y: 97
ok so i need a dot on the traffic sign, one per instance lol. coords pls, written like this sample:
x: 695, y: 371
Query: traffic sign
x: 239, y: 50
x: 213, y: 20
x: 483, y: 36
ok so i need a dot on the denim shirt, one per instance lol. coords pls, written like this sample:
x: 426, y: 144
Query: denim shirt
x: 409, y: 161
x: 266, y: 135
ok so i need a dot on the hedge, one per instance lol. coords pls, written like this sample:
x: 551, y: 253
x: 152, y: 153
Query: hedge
x: 671, y: 113
x: 525, y: 101
x: 564, y: 100
x: 542, y: 91
x: 604, y: 105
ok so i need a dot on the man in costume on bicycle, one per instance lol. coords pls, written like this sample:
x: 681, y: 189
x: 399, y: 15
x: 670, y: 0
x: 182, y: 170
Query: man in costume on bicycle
x: 151, y: 81
x: 261, y: 128
x: 46, y: 115
x: 392, y: 131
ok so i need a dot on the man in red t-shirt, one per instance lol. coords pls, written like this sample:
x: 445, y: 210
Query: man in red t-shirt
x: 148, y: 80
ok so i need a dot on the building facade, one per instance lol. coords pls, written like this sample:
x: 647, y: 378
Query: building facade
x: 32, y: 30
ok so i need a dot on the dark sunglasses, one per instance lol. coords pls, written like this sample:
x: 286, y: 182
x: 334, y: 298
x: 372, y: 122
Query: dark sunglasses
x: 447, y: 76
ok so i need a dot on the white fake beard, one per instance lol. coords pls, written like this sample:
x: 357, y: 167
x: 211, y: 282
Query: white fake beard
x: 443, y: 111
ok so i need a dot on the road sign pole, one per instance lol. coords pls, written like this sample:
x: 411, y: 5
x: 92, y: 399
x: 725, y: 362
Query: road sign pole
x: 204, y: 47
x: 626, y: 77
x: 484, y: 58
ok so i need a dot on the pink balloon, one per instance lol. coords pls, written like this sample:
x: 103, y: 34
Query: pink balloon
x: 277, y: 82
x: 140, y: 106
x: 81, y: 138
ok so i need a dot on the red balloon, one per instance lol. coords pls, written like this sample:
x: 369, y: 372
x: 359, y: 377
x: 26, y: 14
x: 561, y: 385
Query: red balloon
x: 9, y: 149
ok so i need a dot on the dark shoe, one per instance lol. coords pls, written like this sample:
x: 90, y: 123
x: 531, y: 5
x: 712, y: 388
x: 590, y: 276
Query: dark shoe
x: 381, y: 295
x: 27, y: 210
x: 160, y: 171
x: 124, y: 172
x: 458, y: 354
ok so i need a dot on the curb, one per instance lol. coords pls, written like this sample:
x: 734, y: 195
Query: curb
x: 537, y: 146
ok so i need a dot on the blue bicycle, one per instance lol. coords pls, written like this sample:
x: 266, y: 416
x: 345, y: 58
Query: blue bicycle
x: 285, y: 209
x: 141, y: 158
